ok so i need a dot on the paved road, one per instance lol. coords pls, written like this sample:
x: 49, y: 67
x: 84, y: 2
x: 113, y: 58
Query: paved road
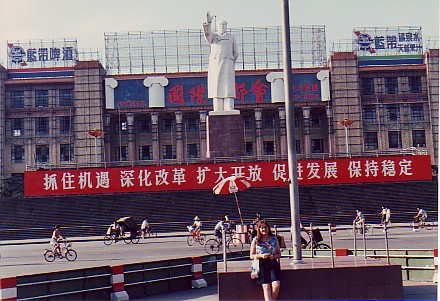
x: 28, y: 258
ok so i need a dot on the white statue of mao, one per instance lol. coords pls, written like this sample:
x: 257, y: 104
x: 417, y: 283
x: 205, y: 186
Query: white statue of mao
x: 221, y: 68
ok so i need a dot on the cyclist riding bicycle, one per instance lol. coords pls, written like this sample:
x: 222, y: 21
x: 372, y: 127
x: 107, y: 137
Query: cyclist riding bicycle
x: 145, y: 227
x: 421, y: 215
x: 56, y: 238
x: 359, y: 221
x: 197, y: 226
x: 221, y: 225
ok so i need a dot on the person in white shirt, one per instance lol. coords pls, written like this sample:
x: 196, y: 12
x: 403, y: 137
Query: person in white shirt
x: 145, y: 227
x: 221, y: 225
x: 421, y: 216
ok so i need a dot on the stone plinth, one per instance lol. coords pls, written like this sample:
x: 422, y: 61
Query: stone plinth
x: 351, y: 278
x: 225, y: 136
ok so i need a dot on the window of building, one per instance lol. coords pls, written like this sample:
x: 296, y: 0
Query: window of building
x: 17, y: 99
x: 417, y: 112
x: 17, y: 127
x: 248, y: 122
x: 268, y: 122
x: 369, y: 113
x: 394, y: 139
x: 367, y: 85
x: 167, y: 125
x: 391, y: 85
x: 249, y: 148
x: 66, y: 152
x: 144, y: 126
x: 192, y: 124
x: 393, y: 111
x: 42, y: 125
x: 419, y: 139
x: 168, y: 152
x: 317, y: 146
x: 268, y: 148
x: 298, y: 146
x: 193, y: 150
x: 315, y: 120
x: 121, y: 153
x: 370, y: 140
x: 17, y: 154
x: 66, y: 125
x: 42, y: 153
x: 66, y: 97
x: 121, y: 127
x: 415, y: 84
x: 145, y: 152
x: 41, y: 98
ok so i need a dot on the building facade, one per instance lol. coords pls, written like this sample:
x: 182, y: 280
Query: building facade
x: 75, y: 116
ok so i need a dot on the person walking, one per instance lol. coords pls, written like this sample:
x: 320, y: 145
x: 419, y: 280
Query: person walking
x: 265, y: 247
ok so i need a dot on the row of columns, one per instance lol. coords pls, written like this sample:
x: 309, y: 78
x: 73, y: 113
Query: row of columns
x: 180, y: 143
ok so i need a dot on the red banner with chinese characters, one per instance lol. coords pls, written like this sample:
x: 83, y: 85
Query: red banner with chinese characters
x: 205, y: 176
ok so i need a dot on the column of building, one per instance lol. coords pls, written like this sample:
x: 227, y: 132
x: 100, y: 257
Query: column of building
x: 432, y: 70
x: 330, y: 122
x: 258, y: 135
x: 202, y: 129
x: 89, y: 97
x: 346, y: 102
x: 131, y: 137
x: 283, y: 132
x: 155, y: 135
x: 2, y: 122
x: 306, y: 131
x: 180, y: 152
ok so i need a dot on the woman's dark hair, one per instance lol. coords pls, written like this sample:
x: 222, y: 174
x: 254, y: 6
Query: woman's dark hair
x: 269, y: 230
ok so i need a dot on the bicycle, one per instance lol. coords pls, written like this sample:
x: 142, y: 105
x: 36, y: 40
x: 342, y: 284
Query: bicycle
x: 357, y: 229
x: 151, y: 232
x: 315, y: 240
x: 66, y: 252
x: 192, y: 237
x: 214, y: 245
x: 419, y: 223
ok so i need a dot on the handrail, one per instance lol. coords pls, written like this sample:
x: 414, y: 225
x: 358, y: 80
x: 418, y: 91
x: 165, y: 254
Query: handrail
x: 239, y: 159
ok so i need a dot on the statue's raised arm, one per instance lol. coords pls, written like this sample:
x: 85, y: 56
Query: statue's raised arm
x: 208, y: 17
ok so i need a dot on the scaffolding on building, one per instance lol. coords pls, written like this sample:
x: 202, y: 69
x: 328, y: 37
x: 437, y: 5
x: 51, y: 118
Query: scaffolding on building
x: 175, y: 51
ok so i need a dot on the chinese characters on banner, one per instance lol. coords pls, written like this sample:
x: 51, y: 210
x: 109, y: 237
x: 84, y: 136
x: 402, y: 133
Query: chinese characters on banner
x: 192, y: 91
x: 202, y: 177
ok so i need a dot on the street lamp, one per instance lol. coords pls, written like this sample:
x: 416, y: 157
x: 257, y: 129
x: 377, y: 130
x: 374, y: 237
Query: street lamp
x: 346, y: 123
x: 96, y: 134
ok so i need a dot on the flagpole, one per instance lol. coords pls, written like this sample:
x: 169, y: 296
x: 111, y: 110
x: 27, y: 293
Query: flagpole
x: 290, y: 127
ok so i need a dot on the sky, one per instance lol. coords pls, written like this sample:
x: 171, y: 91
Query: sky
x: 88, y: 20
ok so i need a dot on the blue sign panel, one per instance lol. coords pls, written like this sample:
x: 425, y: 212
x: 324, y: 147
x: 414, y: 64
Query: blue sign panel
x: 193, y: 91
x: 131, y: 94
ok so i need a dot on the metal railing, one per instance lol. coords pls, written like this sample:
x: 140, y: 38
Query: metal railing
x: 217, y: 160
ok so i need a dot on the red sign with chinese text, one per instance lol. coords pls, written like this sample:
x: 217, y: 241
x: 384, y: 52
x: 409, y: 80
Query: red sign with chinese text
x: 205, y: 176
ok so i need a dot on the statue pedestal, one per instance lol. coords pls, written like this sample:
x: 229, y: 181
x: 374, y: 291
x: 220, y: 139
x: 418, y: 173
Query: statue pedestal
x: 225, y: 135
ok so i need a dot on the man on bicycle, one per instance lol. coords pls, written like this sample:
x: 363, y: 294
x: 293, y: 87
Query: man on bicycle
x: 145, y: 227
x: 421, y: 215
x: 359, y: 221
x: 56, y: 238
x: 221, y: 225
